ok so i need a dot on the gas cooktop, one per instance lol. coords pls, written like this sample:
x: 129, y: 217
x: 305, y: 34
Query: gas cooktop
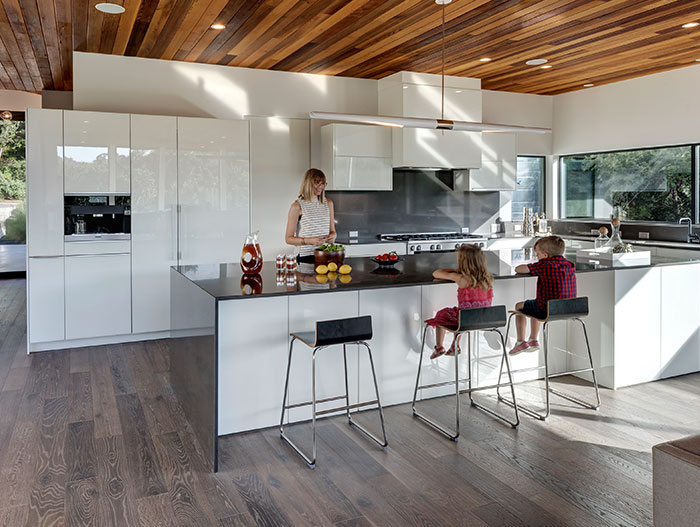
x: 427, y: 236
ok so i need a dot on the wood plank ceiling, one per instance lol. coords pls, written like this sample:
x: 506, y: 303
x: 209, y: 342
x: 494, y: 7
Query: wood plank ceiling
x: 585, y: 41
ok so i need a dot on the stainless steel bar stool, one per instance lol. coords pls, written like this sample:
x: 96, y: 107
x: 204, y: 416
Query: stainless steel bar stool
x: 557, y: 310
x: 343, y: 331
x: 476, y: 319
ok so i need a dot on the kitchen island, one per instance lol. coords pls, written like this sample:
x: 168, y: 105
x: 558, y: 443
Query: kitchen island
x: 231, y: 332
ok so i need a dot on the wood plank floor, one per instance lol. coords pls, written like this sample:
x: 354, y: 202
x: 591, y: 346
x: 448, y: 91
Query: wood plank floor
x: 94, y: 436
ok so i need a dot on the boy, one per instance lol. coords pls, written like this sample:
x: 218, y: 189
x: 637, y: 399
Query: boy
x: 556, y: 278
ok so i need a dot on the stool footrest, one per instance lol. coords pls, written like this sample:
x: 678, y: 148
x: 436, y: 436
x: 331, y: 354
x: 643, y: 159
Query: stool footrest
x: 346, y: 407
x: 307, y: 403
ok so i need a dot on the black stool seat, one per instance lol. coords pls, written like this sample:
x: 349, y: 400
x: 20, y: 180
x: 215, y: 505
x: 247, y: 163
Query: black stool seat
x: 338, y: 331
x: 476, y: 319
x: 356, y: 330
x: 558, y: 310
x: 562, y: 309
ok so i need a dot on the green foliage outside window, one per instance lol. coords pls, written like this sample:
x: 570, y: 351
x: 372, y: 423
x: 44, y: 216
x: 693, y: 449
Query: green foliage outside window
x: 649, y: 185
x: 13, y: 165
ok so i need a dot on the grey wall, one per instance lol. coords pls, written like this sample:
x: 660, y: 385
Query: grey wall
x: 417, y: 204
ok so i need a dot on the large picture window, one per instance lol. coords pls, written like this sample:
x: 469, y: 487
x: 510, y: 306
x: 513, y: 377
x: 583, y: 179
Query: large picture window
x: 654, y: 184
x: 529, y: 191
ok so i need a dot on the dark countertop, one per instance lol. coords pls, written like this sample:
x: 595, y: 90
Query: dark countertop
x: 226, y: 281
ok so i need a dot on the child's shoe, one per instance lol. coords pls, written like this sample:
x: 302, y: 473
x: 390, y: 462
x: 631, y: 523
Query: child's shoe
x: 438, y: 351
x: 519, y: 348
x: 451, y: 352
x: 533, y: 345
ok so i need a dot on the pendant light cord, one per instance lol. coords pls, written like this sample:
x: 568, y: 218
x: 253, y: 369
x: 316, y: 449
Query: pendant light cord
x: 442, y: 111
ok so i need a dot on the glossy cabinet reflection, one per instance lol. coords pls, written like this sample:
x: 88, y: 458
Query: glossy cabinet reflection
x: 213, y: 189
x: 96, y: 147
x: 98, y: 295
x: 44, y: 182
x: 45, y: 309
x: 499, y: 163
x: 153, y: 219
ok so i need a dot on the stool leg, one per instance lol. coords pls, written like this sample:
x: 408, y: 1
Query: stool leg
x: 369, y: 434
x: 545, y: 339
x: 286, y: 386
x: 573, y: 398
x: 347, y: 389
x: 513, y: 404
x: 504, y: 358
x: 420, y: 362
x: 452, y: 435
x: 310, y: 461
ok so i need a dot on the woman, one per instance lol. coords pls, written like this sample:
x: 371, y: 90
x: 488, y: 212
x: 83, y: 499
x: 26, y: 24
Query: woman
x: 310, y: 219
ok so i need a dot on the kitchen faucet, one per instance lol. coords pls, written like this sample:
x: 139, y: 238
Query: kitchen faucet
x: 692, y: 237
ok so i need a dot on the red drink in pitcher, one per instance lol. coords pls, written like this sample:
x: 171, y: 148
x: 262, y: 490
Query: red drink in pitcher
x: 251, y: 256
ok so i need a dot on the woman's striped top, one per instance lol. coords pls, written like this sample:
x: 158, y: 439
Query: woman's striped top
x: 315, y: 221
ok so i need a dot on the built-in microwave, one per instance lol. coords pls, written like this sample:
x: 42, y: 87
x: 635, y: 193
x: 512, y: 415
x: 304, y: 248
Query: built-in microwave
x: 100, y: 217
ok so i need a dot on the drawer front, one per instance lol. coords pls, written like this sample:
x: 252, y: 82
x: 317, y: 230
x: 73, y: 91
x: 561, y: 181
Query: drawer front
x: 102, y: 247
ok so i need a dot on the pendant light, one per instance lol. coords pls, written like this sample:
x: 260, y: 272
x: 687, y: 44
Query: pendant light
x: 433, y: 124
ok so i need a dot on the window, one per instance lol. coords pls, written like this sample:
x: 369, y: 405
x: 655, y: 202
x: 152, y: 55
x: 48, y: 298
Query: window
x: 529, y: 190
x: 654, y: 184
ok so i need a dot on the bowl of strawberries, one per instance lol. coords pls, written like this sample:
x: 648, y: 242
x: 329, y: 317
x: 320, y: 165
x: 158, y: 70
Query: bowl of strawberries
x: 387, y: 259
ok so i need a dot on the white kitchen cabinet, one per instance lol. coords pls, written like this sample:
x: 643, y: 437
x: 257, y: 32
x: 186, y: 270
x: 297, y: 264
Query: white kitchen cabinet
x: 421, y: 147
x: 96, y: 148
x: 499, y: 163
x: 421, y: 100
x: 213, y: 189
x: 45, y: 306
x: 493, y: 175
x: 356, y: 157
x: 44, y: 182
x: 248, y: 342
x: 98, y: 295
x: 153, y: 219
x: 275, y: 179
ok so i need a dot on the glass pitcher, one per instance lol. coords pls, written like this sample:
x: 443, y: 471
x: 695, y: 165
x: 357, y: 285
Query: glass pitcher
x: 251, y: 256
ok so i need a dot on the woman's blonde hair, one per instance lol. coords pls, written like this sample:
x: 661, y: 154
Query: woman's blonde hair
x: 311, y: 177
x: 471, y: 262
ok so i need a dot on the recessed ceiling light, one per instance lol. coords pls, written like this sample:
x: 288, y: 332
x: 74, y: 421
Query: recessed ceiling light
x: 110, y: 8
x: 485, y: 59
x: 536, y: 62
x: 588, y: 85
x: 697, y: 60
x: 443, y: 2
x: 546, y: 66
x: 218, y: 26
x: 690, y: 24
x: 6, y: 115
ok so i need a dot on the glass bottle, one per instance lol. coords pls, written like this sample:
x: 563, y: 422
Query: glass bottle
x: 602, y: 240
x: 251, y: 256
x: 615, y: 237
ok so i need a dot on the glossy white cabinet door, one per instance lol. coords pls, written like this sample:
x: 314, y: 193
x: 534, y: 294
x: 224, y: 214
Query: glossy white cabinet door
x: 213, y: 189
x: 45, y: 299
x: 44, y: 182
x: 153, y: 219
x: 98, y: 296
x: 426, y: 101
x: 493, y: 175
x: 419, y: 147
x: 96, y: 146
x: 357, y: 157
x: 396, y: 324
x: 253, y: 350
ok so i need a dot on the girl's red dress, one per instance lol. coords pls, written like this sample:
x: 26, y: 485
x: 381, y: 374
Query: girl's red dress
x: 467, y: 298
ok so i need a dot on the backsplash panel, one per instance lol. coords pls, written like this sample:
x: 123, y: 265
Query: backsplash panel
x: 417, y: 204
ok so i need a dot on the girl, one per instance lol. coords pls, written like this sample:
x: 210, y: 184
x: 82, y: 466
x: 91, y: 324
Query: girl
x: 475, y: 290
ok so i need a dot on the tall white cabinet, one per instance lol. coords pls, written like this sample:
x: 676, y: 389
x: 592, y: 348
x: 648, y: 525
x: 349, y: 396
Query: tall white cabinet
x: 94, y: 292
x: 153, y: 219
x: 213, y: 188
x: 96, y: 147
x: 45, y: 312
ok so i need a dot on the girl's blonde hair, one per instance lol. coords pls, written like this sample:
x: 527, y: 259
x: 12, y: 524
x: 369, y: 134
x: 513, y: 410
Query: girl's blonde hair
x: 471, y: 262
x: 311, y: 177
